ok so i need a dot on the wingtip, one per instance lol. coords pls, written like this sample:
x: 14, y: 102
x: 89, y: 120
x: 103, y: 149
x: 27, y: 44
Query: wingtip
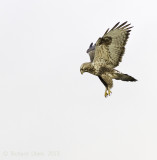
x: 122, y: 24
x: 114, y: 27
x: 106, y: 31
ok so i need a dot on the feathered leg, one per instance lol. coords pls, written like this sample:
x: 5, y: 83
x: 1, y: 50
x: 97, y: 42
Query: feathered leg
x: 105, y: 84
x: 107, y: 81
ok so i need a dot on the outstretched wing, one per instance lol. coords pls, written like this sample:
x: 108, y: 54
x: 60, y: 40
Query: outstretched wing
x: 110, y: 48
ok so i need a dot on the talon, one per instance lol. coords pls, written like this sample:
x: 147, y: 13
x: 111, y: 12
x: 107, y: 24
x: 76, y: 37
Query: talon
x: 109, y: 92
x: 106, y: 94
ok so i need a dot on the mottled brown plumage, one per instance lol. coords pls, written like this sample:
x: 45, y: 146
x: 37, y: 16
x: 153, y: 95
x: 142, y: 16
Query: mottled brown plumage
x: 106, y: 54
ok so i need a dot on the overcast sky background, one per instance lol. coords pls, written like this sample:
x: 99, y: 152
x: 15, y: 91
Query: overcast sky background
x: 47, y: 106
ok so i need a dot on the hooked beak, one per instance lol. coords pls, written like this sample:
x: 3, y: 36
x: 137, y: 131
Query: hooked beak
x: 81, y: 71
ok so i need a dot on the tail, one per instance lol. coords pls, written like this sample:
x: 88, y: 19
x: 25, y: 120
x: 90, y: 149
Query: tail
x: 124, y: 77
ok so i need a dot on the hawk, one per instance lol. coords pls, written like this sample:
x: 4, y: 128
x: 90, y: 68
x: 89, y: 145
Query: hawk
x: 106, y: 54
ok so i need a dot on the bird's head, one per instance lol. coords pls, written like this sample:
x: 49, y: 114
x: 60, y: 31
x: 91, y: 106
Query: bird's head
x: 86, y: 67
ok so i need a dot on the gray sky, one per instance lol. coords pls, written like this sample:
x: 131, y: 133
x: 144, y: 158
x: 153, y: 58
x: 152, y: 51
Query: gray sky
x: 47, y: 106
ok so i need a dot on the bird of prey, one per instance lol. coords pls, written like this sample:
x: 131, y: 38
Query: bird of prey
x: 106, y: 54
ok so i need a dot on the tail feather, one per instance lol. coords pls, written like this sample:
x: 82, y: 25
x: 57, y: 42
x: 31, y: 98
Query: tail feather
x: 124, y: 77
